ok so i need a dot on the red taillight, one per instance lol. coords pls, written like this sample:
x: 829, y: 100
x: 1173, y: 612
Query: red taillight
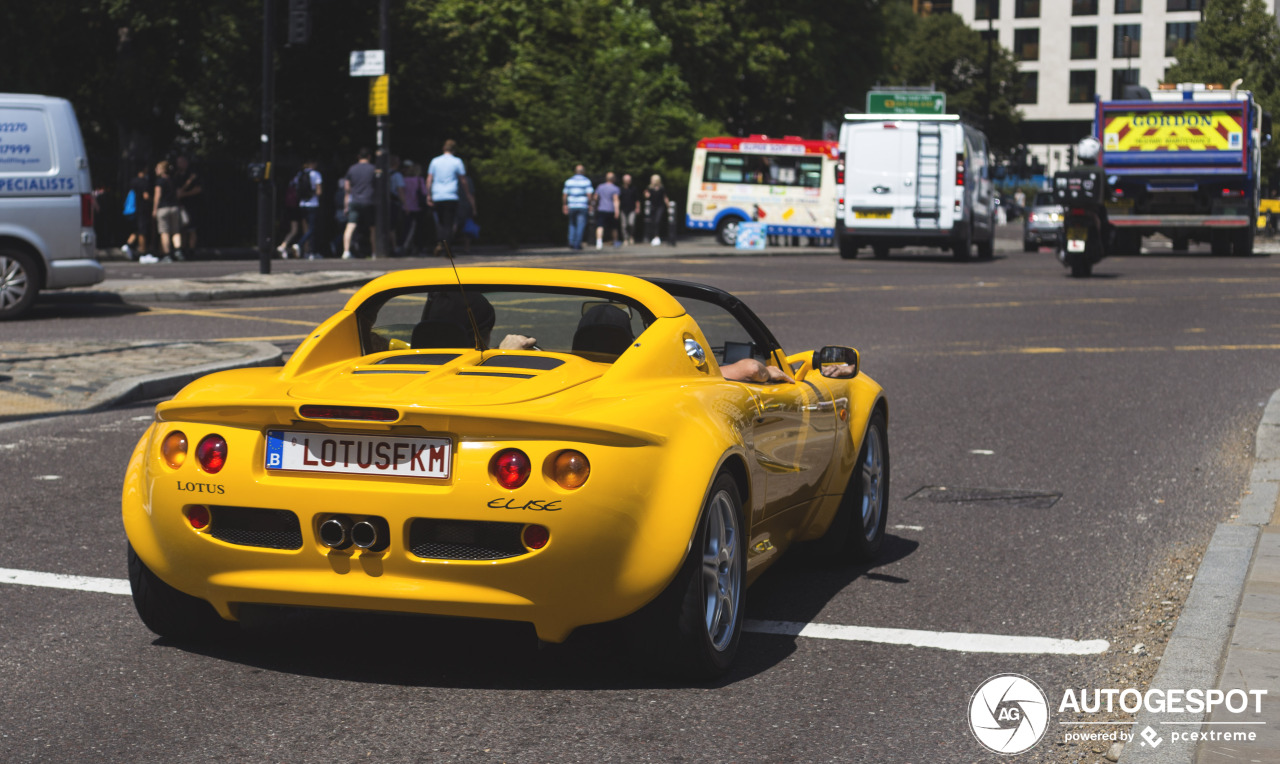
x: 86, y: 210
x: 212, y: 453
x: 1232, y: 192
x: 840, y: 174
x: 535, y: 536
x: 198, y: 516
x: 360, y: 413
x: 1119, y: 192
x: 959, y: 169
x: 510, y: 467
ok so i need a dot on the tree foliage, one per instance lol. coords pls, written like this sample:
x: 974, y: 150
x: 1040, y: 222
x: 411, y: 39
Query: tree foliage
x: 940, y: 50
x: 1238, y: 39
x: 527, y: 87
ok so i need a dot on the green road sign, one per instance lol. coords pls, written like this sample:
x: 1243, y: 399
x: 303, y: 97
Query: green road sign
x: 889, y: 102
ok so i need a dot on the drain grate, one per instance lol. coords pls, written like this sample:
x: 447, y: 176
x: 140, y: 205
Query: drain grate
x: 1005, y: 497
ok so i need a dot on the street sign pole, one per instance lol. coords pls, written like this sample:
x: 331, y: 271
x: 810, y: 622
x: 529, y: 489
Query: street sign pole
x: 266, y: 189
x: 384, y: 149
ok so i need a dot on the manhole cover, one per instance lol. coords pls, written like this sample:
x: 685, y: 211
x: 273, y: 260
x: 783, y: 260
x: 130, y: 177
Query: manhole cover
x: 1005, y: 497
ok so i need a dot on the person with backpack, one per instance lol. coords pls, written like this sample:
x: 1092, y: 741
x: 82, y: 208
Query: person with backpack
x: 301, y: 206
x: 310, y: 186
x: 137, y: 210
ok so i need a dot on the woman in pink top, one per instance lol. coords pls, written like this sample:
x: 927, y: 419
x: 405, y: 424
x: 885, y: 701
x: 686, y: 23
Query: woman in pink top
x: 413, y: 195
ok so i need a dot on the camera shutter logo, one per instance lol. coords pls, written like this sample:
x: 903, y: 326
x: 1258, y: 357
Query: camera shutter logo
x: 1009, y: 713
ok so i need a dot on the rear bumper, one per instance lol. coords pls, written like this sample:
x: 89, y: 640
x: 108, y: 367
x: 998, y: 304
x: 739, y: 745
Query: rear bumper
x: 1163, y: 222
x: 930, y: 237
x: 73, y: 273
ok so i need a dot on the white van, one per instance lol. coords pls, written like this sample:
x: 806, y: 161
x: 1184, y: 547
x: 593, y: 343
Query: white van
x: 914, y: 180
x: 46, y: 202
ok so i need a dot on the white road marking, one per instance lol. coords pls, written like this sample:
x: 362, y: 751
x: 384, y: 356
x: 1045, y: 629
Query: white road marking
x: 48, y: 477
x: 982, y: 452
x: 907, y: 527
x: 59, y: 581
x: 942, y: 640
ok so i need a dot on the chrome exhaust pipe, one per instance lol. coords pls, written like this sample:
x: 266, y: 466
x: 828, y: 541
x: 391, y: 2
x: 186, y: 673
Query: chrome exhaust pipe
x: 368, y: 536
x: 335, y: 532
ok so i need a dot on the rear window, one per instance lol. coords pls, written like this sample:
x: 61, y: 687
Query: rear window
x: 1044, y: 199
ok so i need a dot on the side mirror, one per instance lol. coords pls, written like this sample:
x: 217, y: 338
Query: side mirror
x: 835, y: 355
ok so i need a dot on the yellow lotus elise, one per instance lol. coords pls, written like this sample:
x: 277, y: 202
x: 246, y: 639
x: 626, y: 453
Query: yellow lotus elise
x: 607, y: 458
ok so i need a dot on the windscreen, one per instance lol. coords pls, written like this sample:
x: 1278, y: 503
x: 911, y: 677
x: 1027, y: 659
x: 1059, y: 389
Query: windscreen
x: 597, y: 325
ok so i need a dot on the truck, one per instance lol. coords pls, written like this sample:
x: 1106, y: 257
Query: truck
x: 1185, y: 163
x: 914, y: 180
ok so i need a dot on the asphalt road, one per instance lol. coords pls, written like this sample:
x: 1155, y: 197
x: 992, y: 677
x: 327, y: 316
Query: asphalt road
x: 1134, y: 395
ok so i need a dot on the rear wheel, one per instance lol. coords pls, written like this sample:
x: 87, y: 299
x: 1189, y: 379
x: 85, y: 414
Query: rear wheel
x: 1242, y: 242
x: 1179, y: 243
x: 693, y: 628
x: 848, y: 250
x: 19, y: 282
x: 727, y: 230
x: 1220, y: 243
x: 1082, y: 270
x: 1030, y: 246
x: 881, y: 251
x: 961, y: 248
x: 169, y: 612
x: 1127, y: 243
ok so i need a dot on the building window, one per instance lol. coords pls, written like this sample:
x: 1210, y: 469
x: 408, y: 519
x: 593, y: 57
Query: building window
x: 1128, y: 41
x: 1026, y: 9
x: 1177, y: 35
x: 1030, y: 87
x: 1084, y: 42
x: 1084, y: 7
x: 1128, y: 6
x: 1120, y: 78
x: 1184, y: 5
x: 986, y: 9
x: 1083, y: 86
x: 1026, y: 44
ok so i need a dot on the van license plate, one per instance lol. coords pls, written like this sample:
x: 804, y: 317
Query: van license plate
x: 873, y: 215
x: 359, y: 454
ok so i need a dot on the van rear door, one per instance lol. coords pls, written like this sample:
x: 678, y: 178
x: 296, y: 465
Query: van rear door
x: 880, y: 174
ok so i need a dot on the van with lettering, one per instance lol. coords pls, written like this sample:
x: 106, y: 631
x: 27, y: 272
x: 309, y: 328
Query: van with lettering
x: 46, y: 202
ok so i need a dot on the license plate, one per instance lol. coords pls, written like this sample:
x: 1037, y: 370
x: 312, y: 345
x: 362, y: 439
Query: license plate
x: 359, y: 454
x: 874, y: 215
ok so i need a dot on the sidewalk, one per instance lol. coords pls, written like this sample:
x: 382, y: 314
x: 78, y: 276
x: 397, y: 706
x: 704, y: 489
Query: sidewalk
x: 1228, y: 635
x: 37, y: 379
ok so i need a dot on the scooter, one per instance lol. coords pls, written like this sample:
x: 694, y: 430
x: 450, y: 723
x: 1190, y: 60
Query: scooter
x: 1083, y: 241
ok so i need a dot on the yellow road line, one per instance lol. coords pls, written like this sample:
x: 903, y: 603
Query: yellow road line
x: 227, y: 314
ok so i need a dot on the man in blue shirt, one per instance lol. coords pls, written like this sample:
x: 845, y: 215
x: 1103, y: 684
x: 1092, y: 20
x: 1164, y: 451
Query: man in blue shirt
x: 445, y: 175
x: 576, y: 199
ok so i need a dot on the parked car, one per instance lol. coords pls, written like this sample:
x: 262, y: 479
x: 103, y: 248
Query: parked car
x: 1043, y: 224
x: 397, y: 463
x: 46, y: 202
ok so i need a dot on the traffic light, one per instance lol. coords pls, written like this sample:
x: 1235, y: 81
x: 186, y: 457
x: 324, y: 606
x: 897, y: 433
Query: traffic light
x: 1071, y: 156
x: 299, y: 22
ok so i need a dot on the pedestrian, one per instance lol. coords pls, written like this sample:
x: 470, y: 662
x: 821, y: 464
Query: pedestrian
x: 167, y: 212
x: 628, y: 206
x: 446, y: 175
x: 413, y: 198
x: 189, y: 191
x: 310, y: 185
x: 292, y: 216
x: 137, y: 209
x: 576, y: 203
x: 656, y: 197
x: 358, y: 202
x: 607, y: 206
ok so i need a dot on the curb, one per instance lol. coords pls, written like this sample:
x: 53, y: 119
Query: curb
x: 1198, y: 646
x: 233, y: 287
x: 168, y: 383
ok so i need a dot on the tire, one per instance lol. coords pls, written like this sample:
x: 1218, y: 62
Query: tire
x: 1242, y: 242
x: 963, y: 247
x: 868, y: 502
x: 880, y: 251
x: 692, y: 630
x: 987, y: 249
x: 1127, y: 243
x: 727, y: 230
x: 170, y: 613
x: 1081, y: 270
x: 856, y: 532
x: 1179, y: 243
x: 848, y: 250
x: 19, y: 283
x: 1030, y: 246
x: 1220, y: 244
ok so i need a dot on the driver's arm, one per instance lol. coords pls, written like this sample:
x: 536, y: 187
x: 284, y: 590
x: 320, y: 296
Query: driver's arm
x: 752, y: 370
x: 517, y: 342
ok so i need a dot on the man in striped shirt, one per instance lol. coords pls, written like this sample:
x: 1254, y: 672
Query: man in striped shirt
x: 576, y: 198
